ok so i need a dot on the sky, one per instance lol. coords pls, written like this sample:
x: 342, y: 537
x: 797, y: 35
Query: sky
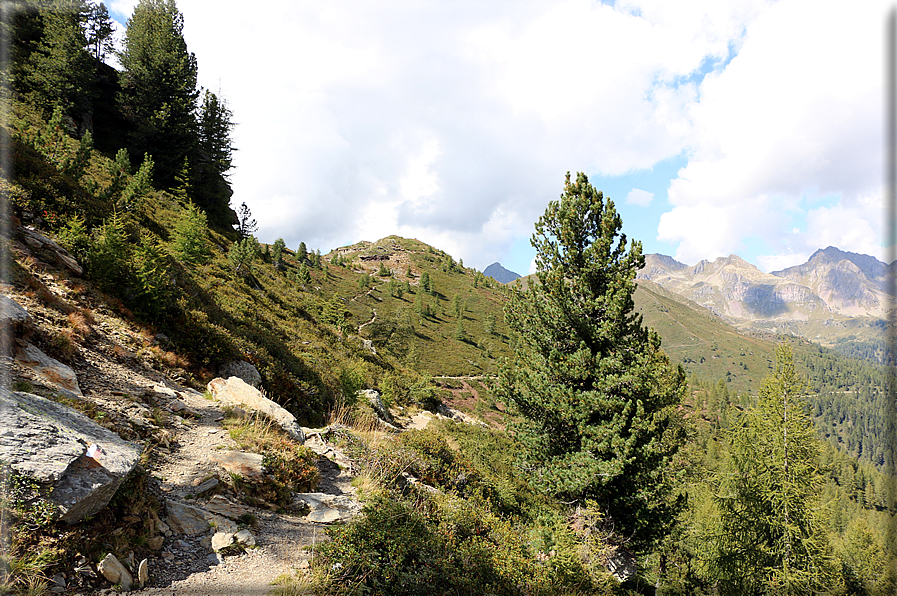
x: 747, y: 127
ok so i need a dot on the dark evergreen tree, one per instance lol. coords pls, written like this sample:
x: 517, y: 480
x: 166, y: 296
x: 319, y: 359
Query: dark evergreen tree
x: 159, y: 87
x: 302, y: 253
x: 214, y: 155
x: 596, y: 393
x: 50, y: 63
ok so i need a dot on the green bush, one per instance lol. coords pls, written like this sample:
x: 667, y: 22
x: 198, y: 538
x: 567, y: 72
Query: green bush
x: 189, y: 243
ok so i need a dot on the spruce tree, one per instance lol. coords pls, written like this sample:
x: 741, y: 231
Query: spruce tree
x: 302, y: 252
x: 595, y: 392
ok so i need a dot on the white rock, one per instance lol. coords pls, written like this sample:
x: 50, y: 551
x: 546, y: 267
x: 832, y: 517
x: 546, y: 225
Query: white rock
x: 143, y: 573
x: 222, y: 540
x: 236, y: 392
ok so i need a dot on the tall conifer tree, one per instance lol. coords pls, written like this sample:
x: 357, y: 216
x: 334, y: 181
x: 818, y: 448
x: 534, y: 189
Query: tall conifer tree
x: 596, y: 392
x: 159, y: 87
x: 770, y: 539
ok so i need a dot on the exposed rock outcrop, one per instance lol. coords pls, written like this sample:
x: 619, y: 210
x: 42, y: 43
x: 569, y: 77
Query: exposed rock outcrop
x: 243, y: 370
x: 236, y: 392
x: 49, y: 370
x: 80, y: 462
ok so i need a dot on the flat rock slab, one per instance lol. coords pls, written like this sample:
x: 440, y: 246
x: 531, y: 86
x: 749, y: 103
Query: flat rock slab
x: 234, y: 391
x: 247, y: 465
x: 49, y: 370
x: 57, y: 446
x: 186, y: 519
x: 326, y: 508
x: 225, y: 507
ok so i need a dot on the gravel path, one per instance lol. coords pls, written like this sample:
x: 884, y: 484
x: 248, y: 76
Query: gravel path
x: 186, y: 565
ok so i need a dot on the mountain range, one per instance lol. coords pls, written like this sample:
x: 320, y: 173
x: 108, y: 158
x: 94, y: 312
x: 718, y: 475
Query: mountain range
x: 835, y: 296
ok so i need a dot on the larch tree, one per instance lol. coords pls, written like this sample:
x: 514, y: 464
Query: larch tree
x: 770, y: 538
x: 159, y: 92
x: 595, y: 392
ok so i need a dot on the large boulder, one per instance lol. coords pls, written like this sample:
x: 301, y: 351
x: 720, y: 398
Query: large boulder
x: 373, y: 398
x: 79, y: 463
x: 244, y: 370
x: 236, y: 392
x: 49, y: 370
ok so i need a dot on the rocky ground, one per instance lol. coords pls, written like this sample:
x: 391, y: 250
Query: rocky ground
x: 201, y: 538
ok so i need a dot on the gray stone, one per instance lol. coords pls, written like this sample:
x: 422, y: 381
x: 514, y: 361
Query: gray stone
x: 206, y: 486
x: 214, y: 559
x: 177, y: 406
x: 11, y: 312
x: 115, y: 572
x: 620, y: 563
x: 69, y: 262
x: 49, y: 370
x: 326, y: 508
x: 142, y: 573
x: 235, y: 392
x: 244, y: 370
x: 185, y: 519
x: 246, y: 465
x: 225, y: 507
x: 373, y: 398
x: 81, y: 462
x: 161, y: 391
x: 245, y: 538
x: 324, y: 515
x: 156, y: 542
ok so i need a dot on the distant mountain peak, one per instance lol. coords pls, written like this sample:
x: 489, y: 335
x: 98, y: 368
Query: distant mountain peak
x: 500, y: 274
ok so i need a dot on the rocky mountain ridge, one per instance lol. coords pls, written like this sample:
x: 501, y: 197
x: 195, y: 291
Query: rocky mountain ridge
x: 834, y: 295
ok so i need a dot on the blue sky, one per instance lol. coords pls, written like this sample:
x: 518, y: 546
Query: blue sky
x: 749, y: 127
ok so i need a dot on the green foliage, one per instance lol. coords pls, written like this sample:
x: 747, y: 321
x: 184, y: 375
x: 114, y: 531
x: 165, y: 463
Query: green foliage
x: 70, y: 157
x: 425, y: 281
x: 364, y: 282
x: 304, y: 274
x: 241, y: 255
x: 302, y: 252
x: 247, y: 226
x: 150, y: 268
x: 136, y: 189
x: 277, y: 253
x: 594, y: 388
x: 72, y: 236
x: 55, y: 69
x: 189, y: 241
x: 352, y: 380
x: 383, y: 271
x: 770, y: 540
x: 158, y: 79
x: 108, y: 253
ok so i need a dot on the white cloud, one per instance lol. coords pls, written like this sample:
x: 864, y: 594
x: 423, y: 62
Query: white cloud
x: 639, y: 197
x: 797, y: 113
x: 455, y: 125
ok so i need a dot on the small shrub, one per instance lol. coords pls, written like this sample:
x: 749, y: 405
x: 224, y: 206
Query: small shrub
x: 189, y: 243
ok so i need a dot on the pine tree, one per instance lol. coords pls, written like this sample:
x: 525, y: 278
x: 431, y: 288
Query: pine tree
x: 769, y: 540
x: 159, y: 86
x: 595, y: 391
x: 302, y: 252
x: 277, y: 253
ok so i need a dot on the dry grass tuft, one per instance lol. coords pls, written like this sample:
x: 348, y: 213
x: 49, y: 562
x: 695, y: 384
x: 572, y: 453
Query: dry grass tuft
x: 81, y: 322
